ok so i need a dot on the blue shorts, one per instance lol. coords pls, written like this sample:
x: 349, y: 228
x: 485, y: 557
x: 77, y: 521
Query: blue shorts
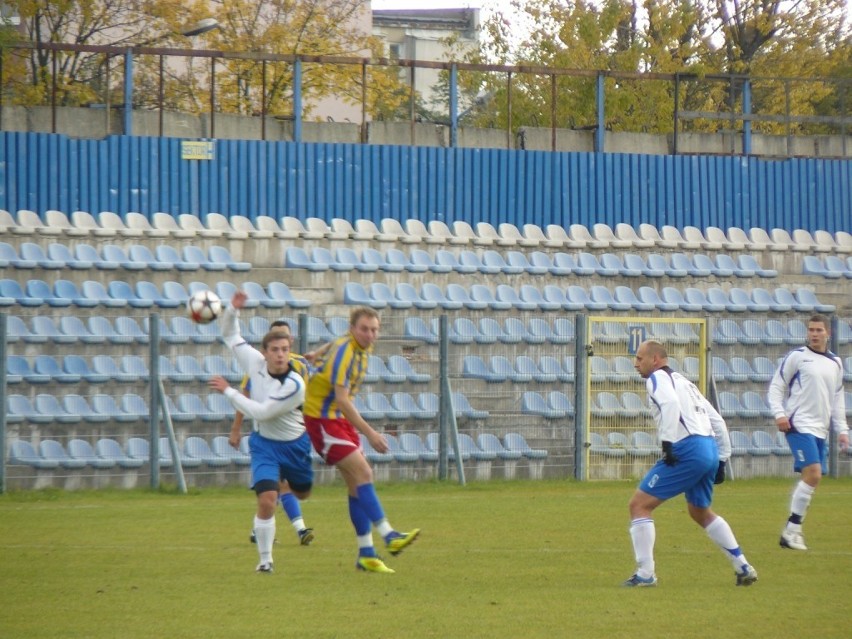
x: 807, y: 450
x: 692, y: 475
x: 275, y: 460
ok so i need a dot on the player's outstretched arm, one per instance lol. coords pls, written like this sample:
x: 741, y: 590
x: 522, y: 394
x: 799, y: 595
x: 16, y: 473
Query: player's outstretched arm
x: 347, y: 407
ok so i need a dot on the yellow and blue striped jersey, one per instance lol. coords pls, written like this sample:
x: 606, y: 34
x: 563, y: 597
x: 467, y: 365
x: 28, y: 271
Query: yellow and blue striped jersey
x: 345, y: 364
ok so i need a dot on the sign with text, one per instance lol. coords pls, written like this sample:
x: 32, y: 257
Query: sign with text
x: 197, y: 150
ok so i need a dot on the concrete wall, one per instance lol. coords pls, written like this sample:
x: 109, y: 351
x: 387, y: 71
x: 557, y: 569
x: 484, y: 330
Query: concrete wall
x: 97, y: 123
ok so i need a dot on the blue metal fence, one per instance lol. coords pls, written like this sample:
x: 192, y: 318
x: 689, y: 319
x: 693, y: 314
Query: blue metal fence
x: 41, y: 171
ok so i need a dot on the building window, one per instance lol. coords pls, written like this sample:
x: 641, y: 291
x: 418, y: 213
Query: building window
x: 394, y: 51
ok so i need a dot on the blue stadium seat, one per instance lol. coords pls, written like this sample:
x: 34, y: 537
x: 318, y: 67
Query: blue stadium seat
x: 19, y: 409
x: 380, y: 291
x: 556, y: 295
x: 463, y: 408
x: 411, y: 443
x: 106, y: 365
x: 610, y: 332
x: 12, y: 289
x: 625, y: 296
x: 18, y: 369
x: 149, y: 291
x: 493, y: 262
x: 797, y: 332
x: 632, y: 405
x: 613, y: 262
x: 516, y: 441
x: 621, y: 370
x: 559, y: 401
x: 22, y: 453
x: 754, y: 405
x: 47, y: 365
x: 489, y: 331
x: 690, y: 368
x: 719, y: 297
x: 515, y: 328
x: 635, y: 262
x: 128, y: 328
x: 80, y: 450
x: 109, y: 449
x: 117, y: 255
x: 490, y: 443
x: 605, y: 404
x: 320, y: 255
x: 52, y: 450
x: 221, y: 447
x: 649, y: 295
x: 9, y: 256
x: 399, y: 365
x: 415, y: 328
x: 660, y: 263
x: 142, y: 254
x: 197, y: 448
x: 527, y: 366
x: 602, y: 295
x: 280, y: 291
x: 598, y: 368
x: 86, y: 253
x: 396, y: 258
x: 729, y: 405
x: 505, y: 293
x: 39, y: 289
x: 195, y: 255
x: 698, y: 265
x: 530, y: 294
x: 483, y: 293
x: 43, y: 326
x: 167, y: 254
x: 297, y: 257
x: 696, y: 296
x: 31, y: 252
x: 458, y: 293
x: 378, y: 404
x: 549, y: 365
x: 428, y: 405
x: 76, y: 404
x: 563, y: 329
x: 403, y: 406
x: 421, y: 261
x: 643, y: 444
x: 48, y: 405
x: 501, y: 366
x: 121, y: 290
x: 542, y: 331
x: 520, y: 263
x: 806, y: 298
x: 354, y: 293
x: 591, y: 266
x: 542, y: 263
x: 430, y: 291
x: 166, y: 454
x: 578, y: 295
x: 474, y: 367
x: 812, y: 265
x: 373, y: 257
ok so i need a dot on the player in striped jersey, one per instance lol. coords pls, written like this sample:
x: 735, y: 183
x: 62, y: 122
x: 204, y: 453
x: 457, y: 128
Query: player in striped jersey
x: 695, y: 447
x: 334, y: 424
x: 806, y: 397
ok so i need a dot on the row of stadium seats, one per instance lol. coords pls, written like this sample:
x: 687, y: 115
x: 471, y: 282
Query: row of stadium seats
x: 642, y: 444
x: 577, y: 298
x: 412, y: 231
x: 492, y: 262
x: 107, y: 453
x: 832, y: 267
x: 142, y: 294
x: 111, y: 257
x: 72, y: 369
x: 73, y: 408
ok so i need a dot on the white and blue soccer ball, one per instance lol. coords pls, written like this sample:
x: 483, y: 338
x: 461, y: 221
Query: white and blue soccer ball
x: 203, y: 307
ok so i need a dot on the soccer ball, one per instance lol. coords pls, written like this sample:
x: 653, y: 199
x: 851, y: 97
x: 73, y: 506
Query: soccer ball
x: 203, y: 307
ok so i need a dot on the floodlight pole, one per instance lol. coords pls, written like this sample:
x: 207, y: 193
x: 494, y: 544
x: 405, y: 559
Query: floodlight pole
x: 202, y: 26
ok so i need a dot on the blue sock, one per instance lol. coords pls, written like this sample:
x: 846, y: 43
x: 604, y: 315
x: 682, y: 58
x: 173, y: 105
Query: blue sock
x: 290, y: 505
x: 359, y: 518
x: 369, y: 501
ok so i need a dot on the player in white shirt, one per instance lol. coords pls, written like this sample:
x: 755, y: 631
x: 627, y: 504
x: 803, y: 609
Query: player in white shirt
x: 280, y: 446
x: 806, y: 398
x: 695, y: 447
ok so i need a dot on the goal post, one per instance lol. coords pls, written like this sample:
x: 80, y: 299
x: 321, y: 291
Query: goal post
x: 620, y: 440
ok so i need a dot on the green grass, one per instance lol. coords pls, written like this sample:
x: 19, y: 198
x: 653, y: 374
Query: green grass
x: 521, y: 559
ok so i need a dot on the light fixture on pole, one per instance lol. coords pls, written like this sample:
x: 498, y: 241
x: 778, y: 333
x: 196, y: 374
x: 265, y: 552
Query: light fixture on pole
x: 202, y: 26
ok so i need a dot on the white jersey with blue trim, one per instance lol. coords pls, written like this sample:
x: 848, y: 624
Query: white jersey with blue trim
x: 807, y: 388
x: 275, y: 402
x: 680, y: 410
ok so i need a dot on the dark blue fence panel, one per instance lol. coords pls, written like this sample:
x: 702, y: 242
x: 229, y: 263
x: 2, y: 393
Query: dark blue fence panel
x: 40, y: 171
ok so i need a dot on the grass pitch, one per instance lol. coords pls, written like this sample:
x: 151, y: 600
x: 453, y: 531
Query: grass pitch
x: 519, y: 559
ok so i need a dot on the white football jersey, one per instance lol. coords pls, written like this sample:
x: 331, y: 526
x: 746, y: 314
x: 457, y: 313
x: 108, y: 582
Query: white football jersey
x: 680, y: 410
x: 275, y: 402
x: 807, y: 388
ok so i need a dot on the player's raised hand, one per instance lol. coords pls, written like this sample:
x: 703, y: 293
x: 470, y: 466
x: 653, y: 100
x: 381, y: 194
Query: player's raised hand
x: 239, y: 299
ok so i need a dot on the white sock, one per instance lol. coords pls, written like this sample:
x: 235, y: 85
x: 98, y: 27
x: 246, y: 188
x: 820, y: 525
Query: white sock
x: 720, y: 532
x: 365, y: 541
x: 264, y: 532
x: 644, y: 534
x: 384, y: 528
x: 800, y: 501
x: 298, y: 524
